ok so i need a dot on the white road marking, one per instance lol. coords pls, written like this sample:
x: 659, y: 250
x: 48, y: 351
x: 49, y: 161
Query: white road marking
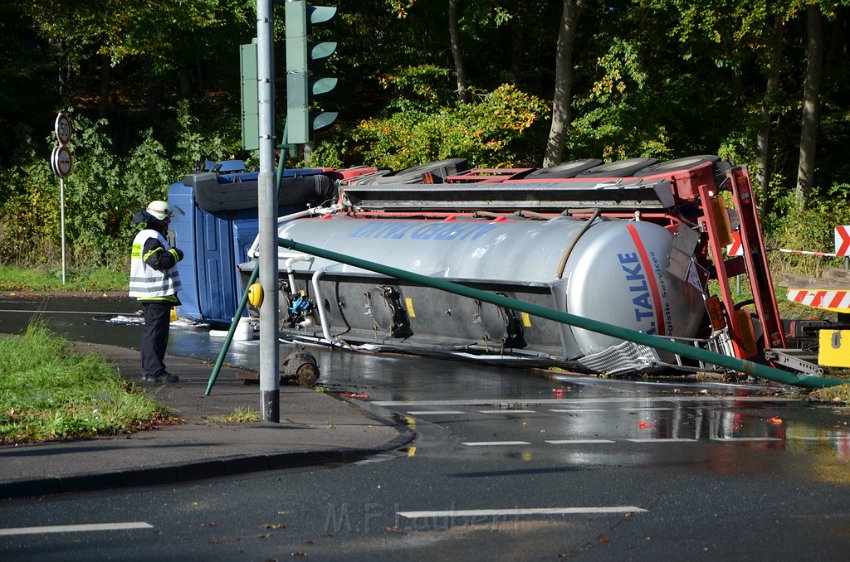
x: 494, y: 443
x: 519, y: 512
x: 578, y: 410
x: 577, y: 401
x: 663, y: 440
x: 434, y: 412
x: 820, y: 438
x: 640, y: 409
x: 76, y: 528
x: 577, y: 441
x: 98, y: 312
x: 507, y: 411
x: 746, y: 439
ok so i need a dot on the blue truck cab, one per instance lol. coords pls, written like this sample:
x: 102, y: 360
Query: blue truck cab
x: 215, y: 222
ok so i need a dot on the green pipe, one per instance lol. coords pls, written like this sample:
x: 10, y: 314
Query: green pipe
x: 236, y: 317
x: 742, y: 365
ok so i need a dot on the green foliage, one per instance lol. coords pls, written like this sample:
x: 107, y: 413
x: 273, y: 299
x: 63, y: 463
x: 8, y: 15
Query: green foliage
x: 29, y: 216
x: 424, y: 87
x: 810, y: 229
x: 486, y: 131
x: 155, y: 87
x: 611, y: 121
x: 194, y: 146
x: 239, y: 415
x: 102, y: 193
x: 47, y: 392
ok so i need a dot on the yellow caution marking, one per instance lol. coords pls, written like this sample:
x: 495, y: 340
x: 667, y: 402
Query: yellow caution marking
x: 526, y: 319
x: 410, y: 312
x: 834, y: 348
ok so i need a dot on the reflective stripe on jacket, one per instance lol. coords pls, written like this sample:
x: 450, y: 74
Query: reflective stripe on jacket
x: 145, y: 281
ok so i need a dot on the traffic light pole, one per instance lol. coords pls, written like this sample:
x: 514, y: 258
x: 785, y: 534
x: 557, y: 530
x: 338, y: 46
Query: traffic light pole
x: 267, y: 209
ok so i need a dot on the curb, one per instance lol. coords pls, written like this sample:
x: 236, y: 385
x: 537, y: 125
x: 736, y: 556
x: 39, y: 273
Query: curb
x: 192, y: 471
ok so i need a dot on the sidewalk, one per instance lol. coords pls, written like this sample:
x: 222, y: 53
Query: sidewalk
x: 314, y: 428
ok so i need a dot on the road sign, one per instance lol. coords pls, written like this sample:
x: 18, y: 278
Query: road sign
x: 63, y: 129
x: 60, y: 162
x: 842, y: 241
x: 736, y: 248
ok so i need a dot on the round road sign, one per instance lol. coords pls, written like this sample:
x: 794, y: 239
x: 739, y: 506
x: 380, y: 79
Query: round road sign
x: 60, y: 161
x: 63, y: 129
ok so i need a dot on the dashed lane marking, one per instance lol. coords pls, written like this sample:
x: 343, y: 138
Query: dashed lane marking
x: 580, y: 401
x: 577, y: 441
x: 746, y: 439
x: 577, y: 410
x: 435, y: 413
x: 76, y: 528
x: 639, y: 409
x: 819, y: 438
x: 520, y: 512
x: 495, y: 443
x: 507, y: 411
x: 664, y: 440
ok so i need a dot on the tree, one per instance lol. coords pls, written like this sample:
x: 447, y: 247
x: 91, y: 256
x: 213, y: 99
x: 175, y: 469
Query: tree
x: 764, y: 170
x: 562, y: 99
x: 811, y: 104
x: 454, y: 35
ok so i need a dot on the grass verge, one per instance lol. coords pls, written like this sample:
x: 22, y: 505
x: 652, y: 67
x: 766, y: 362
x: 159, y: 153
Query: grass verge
x: 239, y: 415
x: 13, y: 278
x: 47, y: 392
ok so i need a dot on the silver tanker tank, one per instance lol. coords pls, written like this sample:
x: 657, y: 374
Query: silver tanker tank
x: 615, y: 271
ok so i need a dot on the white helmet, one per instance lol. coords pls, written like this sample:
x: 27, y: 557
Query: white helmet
x: 160, y: 210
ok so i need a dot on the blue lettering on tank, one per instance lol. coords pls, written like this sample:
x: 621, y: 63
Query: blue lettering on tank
x: 418, y: 231
x: 425, y: 232
x: 482, y: 230
x: 630, y: 264
x: 363, y: 231
x: 397, y: 231
x: 447, y: 232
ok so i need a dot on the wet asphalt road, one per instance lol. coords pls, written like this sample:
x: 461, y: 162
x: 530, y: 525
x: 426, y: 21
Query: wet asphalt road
x: 507, y: 466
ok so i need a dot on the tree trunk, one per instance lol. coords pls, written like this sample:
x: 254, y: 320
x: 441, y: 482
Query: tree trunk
x: 811, y: 109
x: 105, y: 78
x: 185, y: 83
x: 562, y: 100
x: 454, y: 40
x: 764, y: 171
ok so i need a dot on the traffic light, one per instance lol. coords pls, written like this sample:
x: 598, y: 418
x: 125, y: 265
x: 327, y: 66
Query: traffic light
x: 250, y: 95
x: 300, y: 87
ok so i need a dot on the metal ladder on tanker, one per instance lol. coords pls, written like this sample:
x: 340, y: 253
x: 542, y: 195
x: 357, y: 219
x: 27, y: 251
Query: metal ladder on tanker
x: 753, y: 262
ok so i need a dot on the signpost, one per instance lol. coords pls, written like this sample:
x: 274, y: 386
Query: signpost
x: 842, y: 243
x: 61, y: 164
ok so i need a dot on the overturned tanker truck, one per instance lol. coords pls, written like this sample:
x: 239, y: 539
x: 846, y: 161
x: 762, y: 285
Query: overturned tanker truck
x: 635, y: 243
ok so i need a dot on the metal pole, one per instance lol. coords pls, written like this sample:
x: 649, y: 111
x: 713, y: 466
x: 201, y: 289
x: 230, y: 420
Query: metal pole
x: 62, y: 221
x: 267, y: 208
x: 619, y: 332
x: 235, y: 322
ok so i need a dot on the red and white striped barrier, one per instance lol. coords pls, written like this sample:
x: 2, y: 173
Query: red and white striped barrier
x: 820, y: 299
x: 842, y: 246
x: 804, y: 252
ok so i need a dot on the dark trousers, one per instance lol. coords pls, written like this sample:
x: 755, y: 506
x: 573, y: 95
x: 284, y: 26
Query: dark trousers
x: 155, y: 337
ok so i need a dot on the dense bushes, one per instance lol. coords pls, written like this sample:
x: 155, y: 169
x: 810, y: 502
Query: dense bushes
x: 498, y: 128
x: 102, y: 193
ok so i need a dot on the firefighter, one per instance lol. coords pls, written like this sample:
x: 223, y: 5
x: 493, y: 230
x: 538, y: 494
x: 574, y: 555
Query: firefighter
x: 154, y: 282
